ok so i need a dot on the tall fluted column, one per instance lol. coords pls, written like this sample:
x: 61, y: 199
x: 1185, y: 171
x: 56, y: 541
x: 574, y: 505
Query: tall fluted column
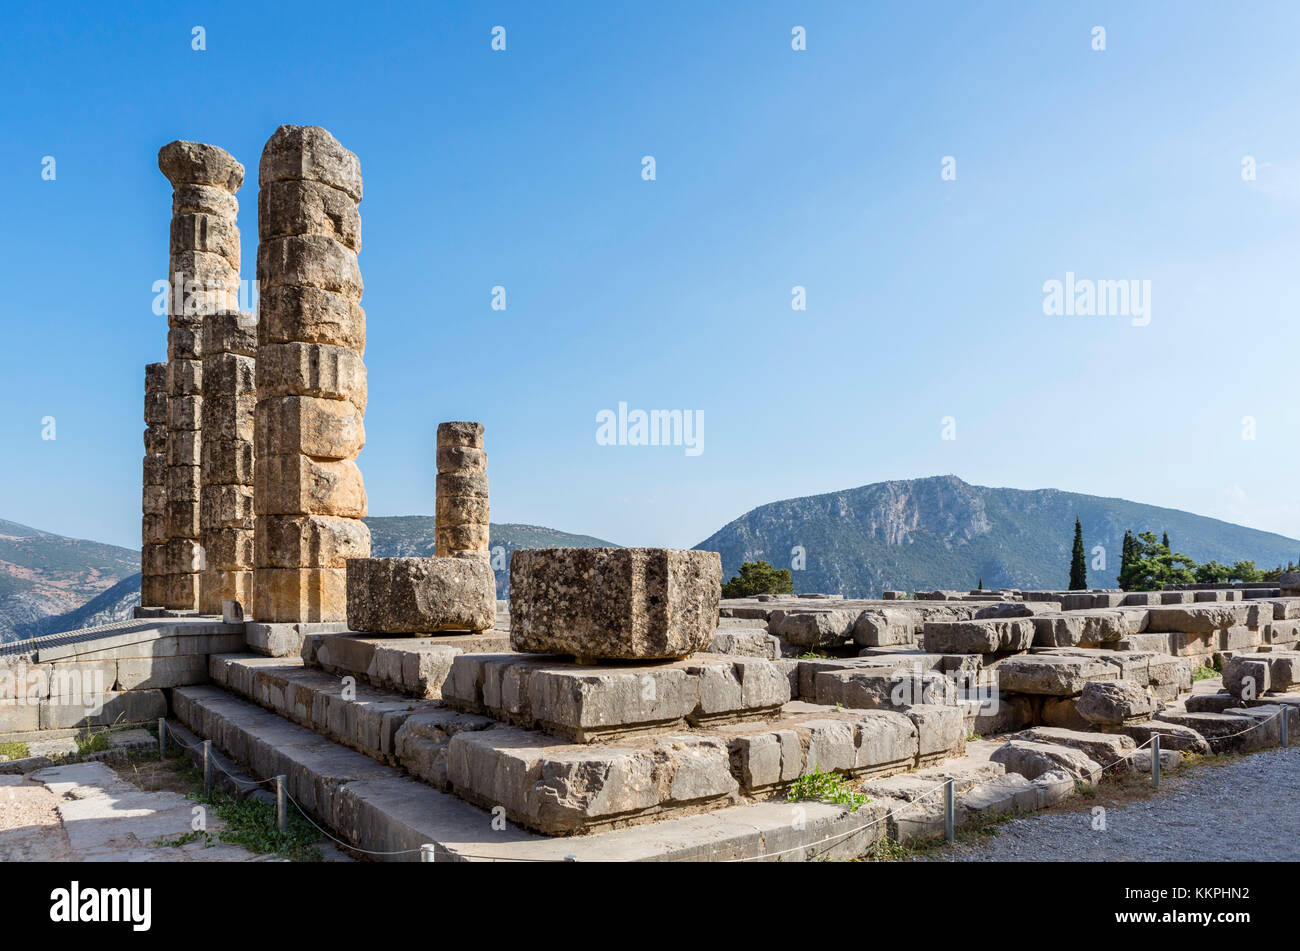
x: 226, y: 499
x: 204, y: 276
x: 311, y: 381
x: 153, y: 522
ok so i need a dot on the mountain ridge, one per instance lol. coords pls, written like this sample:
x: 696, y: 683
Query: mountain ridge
x: 942, y: 532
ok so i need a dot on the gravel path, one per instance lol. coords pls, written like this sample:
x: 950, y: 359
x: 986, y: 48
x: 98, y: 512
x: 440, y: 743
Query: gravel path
x: 1189, y: 821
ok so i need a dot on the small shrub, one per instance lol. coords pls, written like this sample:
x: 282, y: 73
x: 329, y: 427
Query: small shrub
x: 1204, y: 673
x: 825, y: 787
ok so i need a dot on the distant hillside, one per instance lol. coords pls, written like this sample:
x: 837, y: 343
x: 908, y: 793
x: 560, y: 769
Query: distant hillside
x: 941, y: 532
x: 44, y: 576
x: 408, y: 535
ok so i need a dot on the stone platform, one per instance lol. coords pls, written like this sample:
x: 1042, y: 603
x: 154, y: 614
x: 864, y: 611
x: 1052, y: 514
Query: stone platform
x: 415, y: 666
x: 586, y: 704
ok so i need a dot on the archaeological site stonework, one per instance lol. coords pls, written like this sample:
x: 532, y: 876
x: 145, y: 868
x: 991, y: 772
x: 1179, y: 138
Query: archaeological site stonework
x: 153, y: 526
x: 309, y: 498
x: 204, y: 276
x: 226, y: 496
x: 617, y: 689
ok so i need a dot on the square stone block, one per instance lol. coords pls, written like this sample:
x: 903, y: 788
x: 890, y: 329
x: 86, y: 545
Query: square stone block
x: 420, y: 595
x: 292, y: 313
x: 294, y: 484
x: 614, y: 603
x: 311, y: 541
x: 299, y: 594
x: 312, y: 369
x: 320, y: 428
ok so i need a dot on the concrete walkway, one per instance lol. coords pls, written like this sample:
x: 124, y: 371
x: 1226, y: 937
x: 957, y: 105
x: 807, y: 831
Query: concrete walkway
x: 85, y: 812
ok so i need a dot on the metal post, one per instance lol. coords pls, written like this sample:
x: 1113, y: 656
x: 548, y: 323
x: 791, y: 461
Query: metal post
x: 1286, y: 725
x: 570, y: 858
x: 1155, y: 760
x: 427, y: 852
x: 207, y: 767
x: 162, y: 738
x: 950, y: 809
x: 281, y: 815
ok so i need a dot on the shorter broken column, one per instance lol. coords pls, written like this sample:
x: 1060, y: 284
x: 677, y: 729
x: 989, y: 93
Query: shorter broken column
x: 153, y: 522
x: 461, y: 514
x: 614, y: 603
x: 226, y: 498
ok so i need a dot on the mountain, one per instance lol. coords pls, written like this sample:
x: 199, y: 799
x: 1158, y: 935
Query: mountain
x: 408, y: 535
x: 44, y: 576
x: 941, y: 532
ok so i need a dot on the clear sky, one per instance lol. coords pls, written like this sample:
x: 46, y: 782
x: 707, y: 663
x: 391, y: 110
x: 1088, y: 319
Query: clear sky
x: 774, y: 168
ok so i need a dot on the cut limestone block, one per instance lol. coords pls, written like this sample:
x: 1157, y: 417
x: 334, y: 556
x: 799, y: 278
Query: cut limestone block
x: 882, y: 688
x: 882, y: 627
x: 745, y: 642
x: 1104, y: 748
x: 561, y: 790
x: 315, y: 541
x: 1172, y: 736
x: 813, y: 628
x: 1226, y: 733
x: 300, y: 594
x: 1032, y: 760
x: 614, y: 603
x: 589, y: 704
x: 420, y: 595
x: 988, y: 636
x: 1052, y: 674
x: 1272, y: 671
x: 416, y: 666
x: 1191, y: 619
x: 1115, y: 703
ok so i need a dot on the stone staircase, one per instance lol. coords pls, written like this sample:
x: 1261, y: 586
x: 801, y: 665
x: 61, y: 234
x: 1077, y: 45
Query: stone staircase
x: 482, y: 775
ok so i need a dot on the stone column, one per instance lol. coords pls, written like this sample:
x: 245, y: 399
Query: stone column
x: 311, y: 382
x: 226, y: 499
x: 153, y: 525
x: 461, y: 516
x: 204, y: 277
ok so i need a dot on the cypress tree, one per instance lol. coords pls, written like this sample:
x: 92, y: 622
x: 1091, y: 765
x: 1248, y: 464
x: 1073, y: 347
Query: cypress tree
x: 1125, y: 557
x: 1164, y: 540
x: 1078, y: 566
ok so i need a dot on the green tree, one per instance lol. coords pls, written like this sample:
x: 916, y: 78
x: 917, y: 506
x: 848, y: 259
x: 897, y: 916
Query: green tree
x: 1078, y: 566
x: 1152, y: 565
x: 758, y: 577
x: 1246, y: 571
x: 1125, y: 556
x: 1164, y: 539
x: 1213, y: 573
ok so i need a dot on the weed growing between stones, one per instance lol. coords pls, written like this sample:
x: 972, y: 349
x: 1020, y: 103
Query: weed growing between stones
x: 826, y: 787
x: 979, y: 826
x: 92, y: 742
x: 13, y: 750
x: 1204, y: 673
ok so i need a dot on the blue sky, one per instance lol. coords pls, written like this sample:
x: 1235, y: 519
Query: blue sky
x: 774, y: 168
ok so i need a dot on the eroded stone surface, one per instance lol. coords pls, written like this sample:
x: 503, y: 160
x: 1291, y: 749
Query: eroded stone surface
x: 420, y: 595
x: 614, y: 603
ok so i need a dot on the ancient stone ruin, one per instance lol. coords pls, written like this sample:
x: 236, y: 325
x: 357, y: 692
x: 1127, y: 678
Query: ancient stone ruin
x: 620, y: 709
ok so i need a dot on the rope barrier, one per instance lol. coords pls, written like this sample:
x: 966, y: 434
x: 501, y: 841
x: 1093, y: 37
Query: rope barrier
x: 912, y: 803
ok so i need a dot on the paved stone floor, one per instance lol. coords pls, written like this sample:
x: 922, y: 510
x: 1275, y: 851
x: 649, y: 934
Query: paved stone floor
x: 86, y: 812
x: 1186, y: 822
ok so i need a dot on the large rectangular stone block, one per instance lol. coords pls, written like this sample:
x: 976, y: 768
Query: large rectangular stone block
x: 312, y: 369
x: 420, y: 595
x: 306, y: 207
x: 312, y: 260
x: 227, y: 461
x: 293, y: 313
x: 294, y: 484
x: 227, y: 506
x: 320, y: 428
x: 299, y: 594
x: 311, y: 541
x: 614, y: 603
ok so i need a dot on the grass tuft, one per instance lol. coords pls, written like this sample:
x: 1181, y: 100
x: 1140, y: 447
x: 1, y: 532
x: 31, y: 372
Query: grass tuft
x: 825, y: 787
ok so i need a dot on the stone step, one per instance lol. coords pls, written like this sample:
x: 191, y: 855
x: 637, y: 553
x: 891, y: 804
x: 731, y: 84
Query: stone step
x: 416, y: 666
x: 592, y: 703
x: 375, y: 808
